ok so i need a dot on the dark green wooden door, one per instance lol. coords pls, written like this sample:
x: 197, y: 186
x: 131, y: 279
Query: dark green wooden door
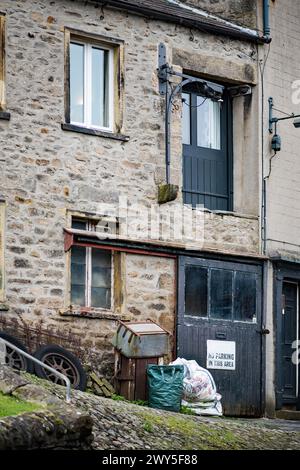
x: 290, y: 319
x: 207, y: 165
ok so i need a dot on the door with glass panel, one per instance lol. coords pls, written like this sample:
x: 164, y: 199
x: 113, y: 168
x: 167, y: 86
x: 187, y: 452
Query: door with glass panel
x: 219, y: 326
x: 206, y: 138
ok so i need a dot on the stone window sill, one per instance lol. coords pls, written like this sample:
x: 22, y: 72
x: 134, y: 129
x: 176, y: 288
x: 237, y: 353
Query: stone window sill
x: 93, y: 313
x: 4, y: 115
x: 239, y: 215
x: 86, y: 130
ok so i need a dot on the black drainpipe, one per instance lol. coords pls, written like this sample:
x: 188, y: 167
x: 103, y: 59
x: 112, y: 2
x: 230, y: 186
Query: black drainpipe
x: 268, y: 39
x: 267, y: 36
x: 266, y: 16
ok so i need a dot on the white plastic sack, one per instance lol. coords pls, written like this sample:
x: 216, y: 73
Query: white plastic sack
x: 199, y: 389
x: 213, y: 408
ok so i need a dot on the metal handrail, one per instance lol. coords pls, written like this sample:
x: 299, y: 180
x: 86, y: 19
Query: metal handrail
x: 45, y: 366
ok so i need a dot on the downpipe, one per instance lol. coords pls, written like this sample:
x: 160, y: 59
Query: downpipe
x: 266, y: 20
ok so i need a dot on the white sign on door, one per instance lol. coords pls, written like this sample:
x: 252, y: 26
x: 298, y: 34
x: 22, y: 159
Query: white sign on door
x: 220, y: 355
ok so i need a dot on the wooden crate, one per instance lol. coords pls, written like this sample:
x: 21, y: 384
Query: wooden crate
x: 131, y: 376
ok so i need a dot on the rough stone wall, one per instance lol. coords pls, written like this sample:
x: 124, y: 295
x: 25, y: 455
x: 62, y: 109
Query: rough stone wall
x: 150, y: 284
x: 150, y: 291
x: 56, y: 427
x: 242, y: 12
x: 46, y: 171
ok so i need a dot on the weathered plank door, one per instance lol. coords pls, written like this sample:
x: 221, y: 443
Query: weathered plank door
x: 221, y: 301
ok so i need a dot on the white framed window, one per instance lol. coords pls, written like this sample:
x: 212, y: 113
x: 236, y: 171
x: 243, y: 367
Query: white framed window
x: 91, y: 272
x: 91, y: 73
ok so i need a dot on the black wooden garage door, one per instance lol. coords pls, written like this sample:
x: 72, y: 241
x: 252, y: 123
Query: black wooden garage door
x: 221, y: 302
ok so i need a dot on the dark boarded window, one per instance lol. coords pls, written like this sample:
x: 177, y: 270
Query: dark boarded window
x: 196, y: 291
x: 90, y: 272
x: 221, y: 294
x: 245, y: 296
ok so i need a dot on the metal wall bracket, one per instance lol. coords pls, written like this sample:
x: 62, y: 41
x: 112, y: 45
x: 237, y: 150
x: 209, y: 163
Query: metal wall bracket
x: 240, y: 90
x: 273, y: 120
x: 164, y: 72
x: 162, y: 69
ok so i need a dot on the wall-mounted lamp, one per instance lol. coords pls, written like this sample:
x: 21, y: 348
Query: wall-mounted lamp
x: 297, y: 123
x: 273, y: 120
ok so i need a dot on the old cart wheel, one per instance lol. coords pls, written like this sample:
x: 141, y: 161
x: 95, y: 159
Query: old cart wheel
x: 14, y: 359
x: 64, y: 362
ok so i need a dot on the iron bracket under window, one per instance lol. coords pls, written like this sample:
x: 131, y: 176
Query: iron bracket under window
x: 239, y: 90
x: 165, y: 72
x: 208, y: 90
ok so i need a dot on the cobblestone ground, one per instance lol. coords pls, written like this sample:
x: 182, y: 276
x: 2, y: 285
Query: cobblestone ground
x: 122, y: 425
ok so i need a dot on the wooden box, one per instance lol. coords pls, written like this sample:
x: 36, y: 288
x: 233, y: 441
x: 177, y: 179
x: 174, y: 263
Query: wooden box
x: 131, y: 375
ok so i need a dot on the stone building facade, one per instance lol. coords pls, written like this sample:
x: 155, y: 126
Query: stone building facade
x: 281, y: 226
x: 56, y: 173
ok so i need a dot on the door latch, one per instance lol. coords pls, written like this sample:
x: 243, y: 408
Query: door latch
x: 263, y: 331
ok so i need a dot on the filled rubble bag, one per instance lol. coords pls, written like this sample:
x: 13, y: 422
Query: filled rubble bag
x: 199, y: 389
x: 165, y: 386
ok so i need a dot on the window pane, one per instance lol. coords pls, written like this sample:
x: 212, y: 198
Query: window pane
x: 221, y: 294
x: 186, y: 119
x: 101, y: 279
x: 101, y: 297
x: 196, y: 291
x: 245, y: 296
x: 78, y: 275
x: 208, y: 123
x: 79, y: 224
x: 100, y: 96
x: 77, y: 83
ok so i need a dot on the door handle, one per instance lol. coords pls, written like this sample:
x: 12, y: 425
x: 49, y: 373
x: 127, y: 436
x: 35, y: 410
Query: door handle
x: 263, y: 331
x: 221, y: 335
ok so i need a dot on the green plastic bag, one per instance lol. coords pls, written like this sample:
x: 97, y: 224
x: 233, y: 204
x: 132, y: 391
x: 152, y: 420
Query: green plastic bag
x: 165, y: 386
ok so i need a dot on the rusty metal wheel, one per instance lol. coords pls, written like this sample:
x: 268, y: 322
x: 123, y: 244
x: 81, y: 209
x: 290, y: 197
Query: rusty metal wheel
x: 13, y: 358
x: 64, y: 362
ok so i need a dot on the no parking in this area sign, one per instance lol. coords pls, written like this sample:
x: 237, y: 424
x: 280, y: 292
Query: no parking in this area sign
x: 220, y: 355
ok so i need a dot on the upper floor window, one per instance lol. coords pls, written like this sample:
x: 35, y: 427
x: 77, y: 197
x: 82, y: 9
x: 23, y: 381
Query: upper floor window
x: 206, y: 138
x: 91, y: 85
x: 94, y: 83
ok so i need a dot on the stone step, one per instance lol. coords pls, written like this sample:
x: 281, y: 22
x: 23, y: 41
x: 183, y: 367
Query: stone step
x: 288, y: 414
